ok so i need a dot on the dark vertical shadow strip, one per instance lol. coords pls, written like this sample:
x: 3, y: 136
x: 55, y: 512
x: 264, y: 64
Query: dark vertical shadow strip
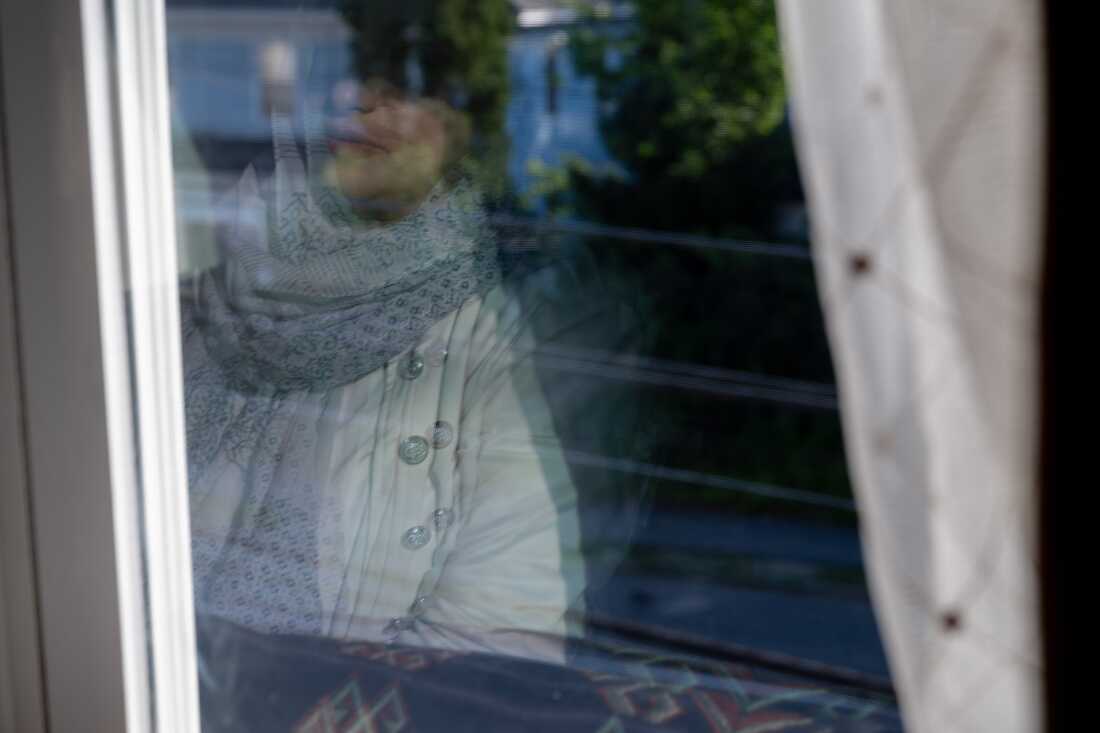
x: 1054, y: 502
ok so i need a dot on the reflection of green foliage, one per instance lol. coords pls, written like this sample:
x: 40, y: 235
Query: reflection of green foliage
x: 462, y: 50
x: 692, y: 108
x: 748, y: 571
x: 550, y: 184
x: 696, y: 79
x: 693, y: 101
x: 467, y: 44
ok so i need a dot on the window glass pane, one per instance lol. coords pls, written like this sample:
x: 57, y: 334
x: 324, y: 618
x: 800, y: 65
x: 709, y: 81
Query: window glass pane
x: 508, y: 395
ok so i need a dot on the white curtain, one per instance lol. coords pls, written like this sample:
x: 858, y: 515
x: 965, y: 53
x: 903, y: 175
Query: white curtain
x: 919, y: 125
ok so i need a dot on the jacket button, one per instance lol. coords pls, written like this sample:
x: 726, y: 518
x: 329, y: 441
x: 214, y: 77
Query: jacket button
x: 436, y: 354
x: 442, y: 434
x: 416, y: 537
x: 412, y: 367
x: 413, y: 450
x: 443, y: 518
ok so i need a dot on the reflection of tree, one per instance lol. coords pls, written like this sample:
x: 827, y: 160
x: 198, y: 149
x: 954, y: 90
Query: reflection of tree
x: 692, y: 108
x: 459, y: 50
x: 693, y: 103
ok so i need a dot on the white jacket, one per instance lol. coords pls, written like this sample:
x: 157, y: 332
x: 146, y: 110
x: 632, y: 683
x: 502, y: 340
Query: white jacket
x: 450, y: 518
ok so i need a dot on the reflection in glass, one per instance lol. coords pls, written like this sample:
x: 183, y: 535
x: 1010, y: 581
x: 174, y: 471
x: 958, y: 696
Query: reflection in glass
x: 470, y: 289
x: 371, y: 452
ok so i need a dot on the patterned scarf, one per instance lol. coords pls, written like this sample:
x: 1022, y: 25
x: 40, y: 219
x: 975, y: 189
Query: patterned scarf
x: 312, y: 298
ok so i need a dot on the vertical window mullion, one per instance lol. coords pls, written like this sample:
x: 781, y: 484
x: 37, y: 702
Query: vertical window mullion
x: 145, y: 157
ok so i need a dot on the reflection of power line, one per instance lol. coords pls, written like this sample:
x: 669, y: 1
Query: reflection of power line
x: 679, y: 475
x: 651, y: 236
x: 711, y: 380
x: 725, y: 652
x: 534, y: 227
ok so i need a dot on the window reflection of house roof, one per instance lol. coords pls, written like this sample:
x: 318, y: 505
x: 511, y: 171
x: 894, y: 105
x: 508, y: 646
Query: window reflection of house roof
x: 542, y: 13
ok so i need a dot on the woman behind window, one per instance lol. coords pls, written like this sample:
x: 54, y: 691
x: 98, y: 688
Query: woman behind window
x: 372, y: 453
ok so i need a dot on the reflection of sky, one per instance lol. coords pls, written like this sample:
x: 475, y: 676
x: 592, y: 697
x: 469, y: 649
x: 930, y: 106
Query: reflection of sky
x: 218, y: 87
x: 218, y: 92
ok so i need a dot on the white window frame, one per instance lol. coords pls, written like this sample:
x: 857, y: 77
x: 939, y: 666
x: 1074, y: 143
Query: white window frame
x: 96, y: 614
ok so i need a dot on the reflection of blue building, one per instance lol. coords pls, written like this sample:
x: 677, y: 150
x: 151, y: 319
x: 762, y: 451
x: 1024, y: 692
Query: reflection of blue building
x: 228, y: 61
x: 552, y: 111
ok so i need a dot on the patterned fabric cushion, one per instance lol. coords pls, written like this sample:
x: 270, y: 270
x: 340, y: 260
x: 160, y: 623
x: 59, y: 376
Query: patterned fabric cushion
x: 255, y: 683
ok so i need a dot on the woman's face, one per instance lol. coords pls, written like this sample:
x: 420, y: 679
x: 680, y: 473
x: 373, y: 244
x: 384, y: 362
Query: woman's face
x: 388, y: 150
